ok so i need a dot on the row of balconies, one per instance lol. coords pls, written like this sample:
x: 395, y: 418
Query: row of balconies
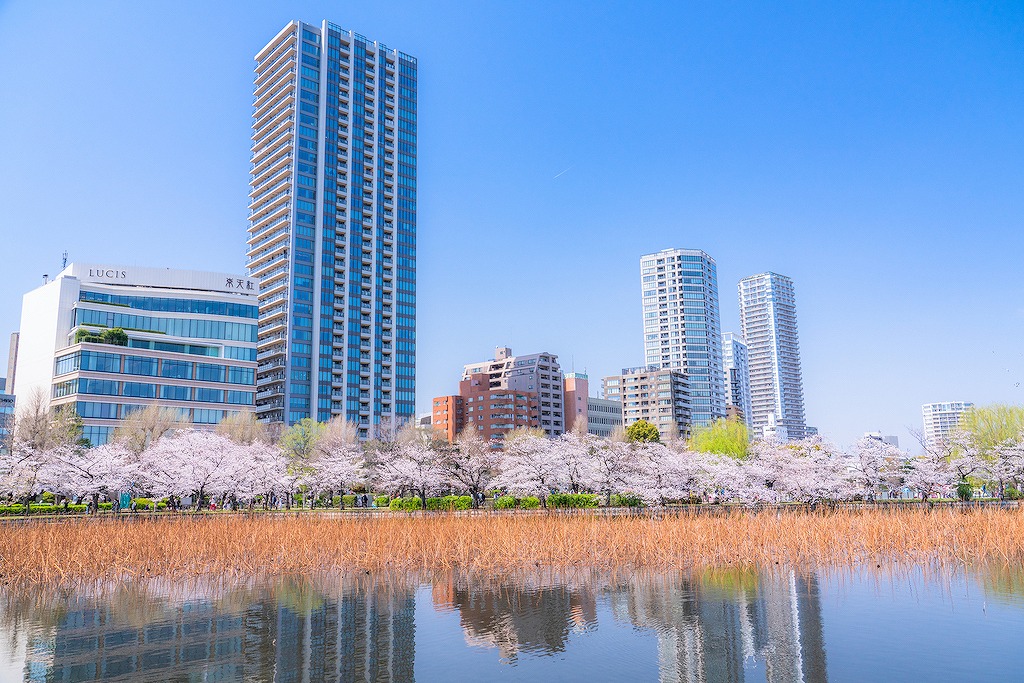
x: 267, y: 70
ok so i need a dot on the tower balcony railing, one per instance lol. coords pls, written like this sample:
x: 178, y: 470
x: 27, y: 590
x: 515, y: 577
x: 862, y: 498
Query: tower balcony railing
x: 276, y: 176
x: 274, y: 78
x: 271, y: 206
x: 269, y: 151
x: 273, y: 107
x: 279, y: 85
x: 267, y: 257
x: 271, y: 162
x: 264, y: 134
x: 266, y: 69
x: 271, y: 117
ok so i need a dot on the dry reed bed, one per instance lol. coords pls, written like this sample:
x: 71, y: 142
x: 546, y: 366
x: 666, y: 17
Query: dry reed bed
x: 73, y: 551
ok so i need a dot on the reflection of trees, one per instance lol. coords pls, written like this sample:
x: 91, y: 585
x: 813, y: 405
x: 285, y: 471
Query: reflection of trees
x: 524, y: 615
x: 297, y: 630
x: 1003, y: 582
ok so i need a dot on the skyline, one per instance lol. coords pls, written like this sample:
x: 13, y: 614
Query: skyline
x: 895, y: 129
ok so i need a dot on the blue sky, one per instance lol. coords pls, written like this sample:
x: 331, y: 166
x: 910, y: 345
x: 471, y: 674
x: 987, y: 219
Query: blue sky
x: 874, y: 152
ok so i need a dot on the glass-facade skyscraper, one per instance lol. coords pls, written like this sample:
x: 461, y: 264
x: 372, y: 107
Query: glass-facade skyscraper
x: 768, y: 323
x: 682, y: 325
x: 332, y: 228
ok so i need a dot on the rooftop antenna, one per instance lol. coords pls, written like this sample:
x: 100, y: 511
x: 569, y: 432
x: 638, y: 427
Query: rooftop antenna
x: 64, y: 260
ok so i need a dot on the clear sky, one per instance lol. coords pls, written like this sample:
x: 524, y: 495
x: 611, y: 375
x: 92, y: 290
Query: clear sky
x: 873, y: 152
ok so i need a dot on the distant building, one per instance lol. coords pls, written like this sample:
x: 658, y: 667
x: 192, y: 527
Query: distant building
x: 12, y: 359
x: 490, y: 413
x: 659, y: 396
x: 810, y: 431
x: 768, y: 324
x: 6, y: 416
x: 537, y: 373
x: 682, y: 325
x: 878, y: 436
x: 190, y: 344
x: 940, y: 419
x: 604, y: 416
x: 773, y: 431
x: 737, y: 379
x: 576, y: 391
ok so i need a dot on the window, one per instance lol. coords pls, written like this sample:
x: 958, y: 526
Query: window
x: 173, y: 392
x: 139, y: 390
x: 209, y: 395
x: 209, y: 373
x: 176, y: 369
x: 140, y: 365
x: 106, y: 387
x: 206, y: 416
x: 101, y: 362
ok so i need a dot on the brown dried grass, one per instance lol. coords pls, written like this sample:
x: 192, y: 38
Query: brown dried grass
x: 82, y: 550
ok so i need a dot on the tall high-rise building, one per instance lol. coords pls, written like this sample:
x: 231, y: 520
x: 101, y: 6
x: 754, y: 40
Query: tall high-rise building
x: 940, y: 419
x: 737, y: 378
x: 768, y: 325
x: 332, y: 228
x: 682, y: 326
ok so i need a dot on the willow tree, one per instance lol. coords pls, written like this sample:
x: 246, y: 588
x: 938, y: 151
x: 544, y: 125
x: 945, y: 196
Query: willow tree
x: 724, y: 437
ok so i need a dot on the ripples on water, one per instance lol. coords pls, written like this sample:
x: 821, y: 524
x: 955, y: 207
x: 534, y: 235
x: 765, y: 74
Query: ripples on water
x: 734, y: 625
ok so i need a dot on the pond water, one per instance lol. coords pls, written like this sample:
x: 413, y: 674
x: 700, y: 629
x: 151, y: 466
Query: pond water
x: 730, y: 625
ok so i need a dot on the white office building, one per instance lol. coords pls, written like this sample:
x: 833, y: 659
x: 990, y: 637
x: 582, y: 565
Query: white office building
x: 332, y: 228
x: 940, y: 419
x: 682, y: 325
x: 737, y: 378
x: 188, y: 343
x: 768, y: 324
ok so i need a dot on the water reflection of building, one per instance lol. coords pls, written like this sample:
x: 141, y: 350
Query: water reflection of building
x: 291, y: 634
x: 707, y: 630
x: 517, y: 617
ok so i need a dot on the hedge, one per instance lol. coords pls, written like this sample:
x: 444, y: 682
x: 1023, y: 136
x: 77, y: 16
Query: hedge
x: 626, y: 500
x: 529, y: 502
x: 450, y: 503
x: 382, y: 501
x: 406, y: 504
x: 572, y: 500
x: 504, y: 503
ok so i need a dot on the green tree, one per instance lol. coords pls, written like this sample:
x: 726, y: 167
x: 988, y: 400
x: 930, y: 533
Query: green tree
x: 642, y: 431
x: 299, y: 441
x: 299, y: 444
x: 115, y: 336
x: 983, y: 430
x: 723, y: 436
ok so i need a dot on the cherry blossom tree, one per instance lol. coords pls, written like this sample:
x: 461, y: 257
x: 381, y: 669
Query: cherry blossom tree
x: 610, y: 467
x: 105, y: 470
x: 530, y: 466
x: 875, y: 465
x: 265, y: 473
x: 930, y: 475
x: 470, y: 464
x: 337, y: 461
x: 23, y: 471
x: 410, y: 466
x: 572, y: 450
x: 193, y: 462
